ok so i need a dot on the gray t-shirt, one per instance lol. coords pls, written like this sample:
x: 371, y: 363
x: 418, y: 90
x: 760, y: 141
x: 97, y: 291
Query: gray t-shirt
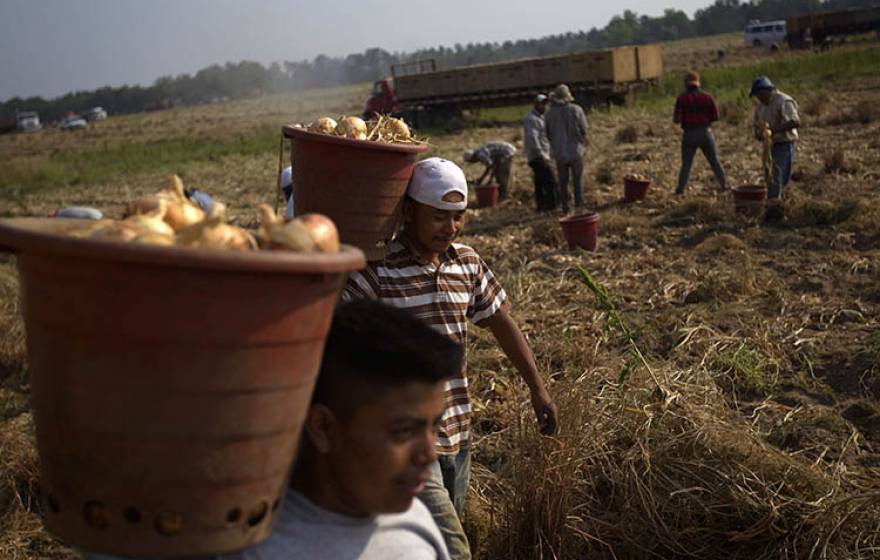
x: 306, y: 531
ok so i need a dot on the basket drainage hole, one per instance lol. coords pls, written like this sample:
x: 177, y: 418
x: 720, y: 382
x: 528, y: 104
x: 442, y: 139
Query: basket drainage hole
x: 168, y: 523
x: 95, y: 515
x: 258, y: 514
x: 132, y: 515
x: 234, y: 515
x: 53, y: 503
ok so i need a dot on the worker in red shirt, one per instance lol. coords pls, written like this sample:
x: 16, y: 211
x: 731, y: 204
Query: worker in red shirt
x: 695, y: 111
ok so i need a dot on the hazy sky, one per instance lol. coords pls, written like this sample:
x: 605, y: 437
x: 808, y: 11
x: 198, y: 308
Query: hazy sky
x: 50, y: 47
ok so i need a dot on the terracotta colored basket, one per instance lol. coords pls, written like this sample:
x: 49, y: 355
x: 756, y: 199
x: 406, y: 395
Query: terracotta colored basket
x: 581, y: 231
x: 750, y: 200
x: 487, y: 195
x: 169, y: 385
x: 359, y: 184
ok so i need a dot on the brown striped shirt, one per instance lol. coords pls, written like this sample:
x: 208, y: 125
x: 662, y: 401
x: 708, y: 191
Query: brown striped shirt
x: 461, y: 288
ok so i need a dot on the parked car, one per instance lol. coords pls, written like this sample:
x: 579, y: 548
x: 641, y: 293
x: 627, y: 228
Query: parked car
x: 761, y: 33
x: 27, y: 121
x: 95, y: 114
x: 73, y: 123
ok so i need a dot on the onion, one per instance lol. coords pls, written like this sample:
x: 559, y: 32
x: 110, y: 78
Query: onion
x: 213, y: 232
x: 325, y: 125
x: 180, y: 211
x: 352, y: 127
x: 290, y: 236
x: 153, y: 238
x: 117, y: 231
x: 152, y: 222
x: 398, y: 129
x: 322, y: 231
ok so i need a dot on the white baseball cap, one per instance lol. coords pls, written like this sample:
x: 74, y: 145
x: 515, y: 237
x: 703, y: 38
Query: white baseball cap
x: 434, y: 178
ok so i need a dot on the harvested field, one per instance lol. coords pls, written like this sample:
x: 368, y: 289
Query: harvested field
x: 718, y: 379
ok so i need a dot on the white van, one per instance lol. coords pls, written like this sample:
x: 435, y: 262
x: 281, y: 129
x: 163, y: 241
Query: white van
x: 761, y: 33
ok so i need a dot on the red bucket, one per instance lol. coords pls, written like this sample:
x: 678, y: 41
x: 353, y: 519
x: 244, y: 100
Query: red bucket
x: 169, y: 385
x: 634, y: 190
x: 750, y: 200
x: 359, y: 184
x: 581, y: 230
x: 487, y: 195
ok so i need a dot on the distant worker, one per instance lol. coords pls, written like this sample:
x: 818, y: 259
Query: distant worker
x: 779, y: 112
x: 566, y: 126
x: 498, y: 159
x: 78, y: 212
x: 537, y: 148
x: 695, y: 111
x: 287, y: 189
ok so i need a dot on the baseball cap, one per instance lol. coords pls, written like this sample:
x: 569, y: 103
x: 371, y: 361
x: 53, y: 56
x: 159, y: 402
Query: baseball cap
x: 433, y: 178
x: 540, y: 98
x: 761, y: 83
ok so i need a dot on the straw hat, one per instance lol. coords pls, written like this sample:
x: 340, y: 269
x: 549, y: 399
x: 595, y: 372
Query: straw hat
x: 562, y: 93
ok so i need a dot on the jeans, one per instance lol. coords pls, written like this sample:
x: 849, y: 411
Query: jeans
x: 545, y: 184
x: 698, y: 138
x: 502, y: 172
x: 576, y: 169
x: 783, y: 159
x: 444, y: 495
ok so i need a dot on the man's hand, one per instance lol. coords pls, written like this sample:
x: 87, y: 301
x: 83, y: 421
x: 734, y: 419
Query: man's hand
x: 545, y: 411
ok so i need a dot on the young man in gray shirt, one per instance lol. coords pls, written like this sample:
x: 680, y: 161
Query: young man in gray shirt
x: 368, y: 444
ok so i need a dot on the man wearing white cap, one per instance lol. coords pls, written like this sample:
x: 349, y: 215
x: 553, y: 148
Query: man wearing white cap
x: 537, y: 148
x: 447, y: 285
x: 567, y: 130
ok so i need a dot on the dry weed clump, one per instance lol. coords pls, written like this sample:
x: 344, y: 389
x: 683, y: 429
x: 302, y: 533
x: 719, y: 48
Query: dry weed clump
x: 836, y: 161
x: 811, y: 212
x: 627, y: 135
x: 865, y: 111
x: 817, y: 105
x: 636, y: 475
x: 732, y: 112
x: 604, y: 173
x: 13, y: 356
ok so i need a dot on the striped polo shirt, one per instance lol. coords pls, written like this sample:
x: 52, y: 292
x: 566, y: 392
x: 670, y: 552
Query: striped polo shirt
x: 462, y: 288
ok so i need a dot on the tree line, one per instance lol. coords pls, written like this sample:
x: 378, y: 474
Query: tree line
x: 248, y: 79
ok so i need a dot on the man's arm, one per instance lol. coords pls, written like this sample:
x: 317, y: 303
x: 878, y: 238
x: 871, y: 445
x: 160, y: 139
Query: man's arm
x: 485, y: 174
x: 676, y: 114
x: 511, y: 339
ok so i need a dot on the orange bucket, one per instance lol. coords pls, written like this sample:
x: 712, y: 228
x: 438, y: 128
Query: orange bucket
x: 359, y: 184
x: 581, y: 231
x: 750, y: 200
x: 169, y: 385
x: 487, y: 195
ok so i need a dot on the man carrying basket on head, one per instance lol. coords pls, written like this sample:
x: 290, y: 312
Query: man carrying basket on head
x: 447, y: 285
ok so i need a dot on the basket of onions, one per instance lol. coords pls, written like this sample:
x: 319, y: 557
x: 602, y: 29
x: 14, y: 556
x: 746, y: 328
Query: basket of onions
x: 172, y: 358
x: 356, y: 173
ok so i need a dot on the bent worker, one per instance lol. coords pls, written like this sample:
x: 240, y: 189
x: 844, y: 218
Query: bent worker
x: 537, y: 149
x: 447, y: 285
x: 695, y: 111
x: 368, y: 444
x: 498, y: 159
x: 566, y: 126
x: 287, y: 189
x: 778, y: 112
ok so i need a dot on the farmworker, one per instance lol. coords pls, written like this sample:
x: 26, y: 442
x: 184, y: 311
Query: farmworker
x: 368, y: 444
x: 537, y: 148
x: 287, y: 188
x: 695, y: 111
x: 779, y: 112
x: 498, y: 159
x: 567, y: 130
x: 447, y: 284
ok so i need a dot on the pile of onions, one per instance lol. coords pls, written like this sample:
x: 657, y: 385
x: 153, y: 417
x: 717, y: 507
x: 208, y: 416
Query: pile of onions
x: 389, y: 130
x: 169, y: 218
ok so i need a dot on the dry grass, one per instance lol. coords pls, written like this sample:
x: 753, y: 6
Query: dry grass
x: 627, y: 135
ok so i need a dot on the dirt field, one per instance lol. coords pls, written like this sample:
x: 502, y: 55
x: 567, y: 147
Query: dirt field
x: 752, y: 429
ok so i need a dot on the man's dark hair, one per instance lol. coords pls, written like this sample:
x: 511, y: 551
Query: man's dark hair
x: 373, y: 346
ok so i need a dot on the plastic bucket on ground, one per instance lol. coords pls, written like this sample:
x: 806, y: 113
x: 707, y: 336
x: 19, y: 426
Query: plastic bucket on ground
x: 169, y: 385
x: 634, y: 190
x: 487, y: 195
x: 359, y: 184
x: 750, y: 200
x: 581, y: 230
